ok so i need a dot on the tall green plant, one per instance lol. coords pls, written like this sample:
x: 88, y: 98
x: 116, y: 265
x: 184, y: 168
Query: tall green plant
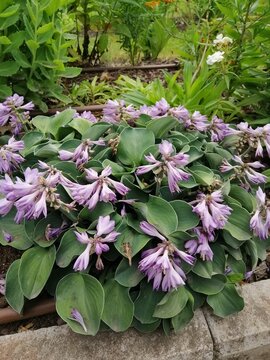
x: 93, y: 20
x: 141, y: 28
x: 34, y: 49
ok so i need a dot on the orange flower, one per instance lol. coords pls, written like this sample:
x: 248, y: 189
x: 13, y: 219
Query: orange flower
x: 152, y: 4
x: 168, y: 1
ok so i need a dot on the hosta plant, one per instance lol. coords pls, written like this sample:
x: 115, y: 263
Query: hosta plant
x: 134, y: 219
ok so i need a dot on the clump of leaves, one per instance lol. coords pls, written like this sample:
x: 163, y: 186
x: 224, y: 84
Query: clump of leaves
x: 134, y: 219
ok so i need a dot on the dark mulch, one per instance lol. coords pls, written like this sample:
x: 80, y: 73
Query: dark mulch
x: 7, y: 256
x: 31, y: 324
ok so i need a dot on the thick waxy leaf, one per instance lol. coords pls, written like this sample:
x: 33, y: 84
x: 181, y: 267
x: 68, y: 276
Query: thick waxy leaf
x: 202, y: 174
x: 226, y: 302
x: 132, y: 144
x: 118, y: 307
x: 128, y: 275
x: 183, y: 318
x: 68, y: 249
x: 116, y: 168
x: 52, y: 124
x: 161, y: 214
x: 238, y: 224
x: 31, y: 139
x: 237, y: 266
x: 203, y: 268
x: 214, y: 160
x: 146, y: 302
x: 160, y: 127
x: 172, y: 303
x: 180, y: 237
x: 129, y: 242
x: 53, y: 221
x: 96, y: 131
x: 20, y: 238
x: 219, y: 258
x: 207, y: 286
x: 194, y: 154
x: 145, y: 328
x: 186, y: 217
x: 85, y: 294
x: 13, y: 293
x: 245, y: 198
x: 68, y: 169
x: 81, y: 125
x: 102, y: 209
x: 251, y: 250
x: 35, y: 268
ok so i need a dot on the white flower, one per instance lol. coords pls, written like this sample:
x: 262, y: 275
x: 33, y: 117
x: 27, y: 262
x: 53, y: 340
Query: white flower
x: 222, y: 40
x: 216, y: 57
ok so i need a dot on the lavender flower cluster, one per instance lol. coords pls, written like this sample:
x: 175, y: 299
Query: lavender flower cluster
x: 14, y: 112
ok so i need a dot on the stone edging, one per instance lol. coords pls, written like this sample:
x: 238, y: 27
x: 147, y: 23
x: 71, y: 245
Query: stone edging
x: 245, y: 335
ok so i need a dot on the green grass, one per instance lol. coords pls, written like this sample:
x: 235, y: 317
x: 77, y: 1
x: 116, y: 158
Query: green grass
x: 116, y: 55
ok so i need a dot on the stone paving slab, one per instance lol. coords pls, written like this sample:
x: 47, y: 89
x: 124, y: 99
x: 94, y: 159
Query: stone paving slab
x: 59, y: 343
x: 246, y: 335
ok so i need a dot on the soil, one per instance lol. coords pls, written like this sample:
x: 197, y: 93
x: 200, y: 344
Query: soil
x: 8, y: 255
x: 111, y: 76
x: 31, y: 324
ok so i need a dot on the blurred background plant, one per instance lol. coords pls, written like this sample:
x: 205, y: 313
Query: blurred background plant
x: 34, y: 42
x: 89, y: 92
x: 223, y: 48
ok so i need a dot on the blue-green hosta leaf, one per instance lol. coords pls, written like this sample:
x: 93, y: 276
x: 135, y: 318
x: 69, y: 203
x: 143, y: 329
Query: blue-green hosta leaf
x: 145, y: 328
x: 186, y: 217
x: 128, y: 274
x: 31, y: 139
x: 96, y: 131
x: 21, y: 240
x: 85, y: 294
x: 226, y: 302
x: 13, y: 292
x: 51, y: 125
x: 172, y: 303
x: 244, y: 197
x: 130, y: 242
x: 118, y: 307
x: 161, y: 127
x: 238, y: 224
x: 219, y: 258
x: 53, y: 220
x: 207, y: 286
x: 81, y: 125
x: 102, y: 209
x: 161, y: 214
x: 146, y: 302
x: 68, y: 249
x: 35, y: 267
x: 202, y: 174
x: 203, y: 268
x: 132, y: 144
x: 183, y: 318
